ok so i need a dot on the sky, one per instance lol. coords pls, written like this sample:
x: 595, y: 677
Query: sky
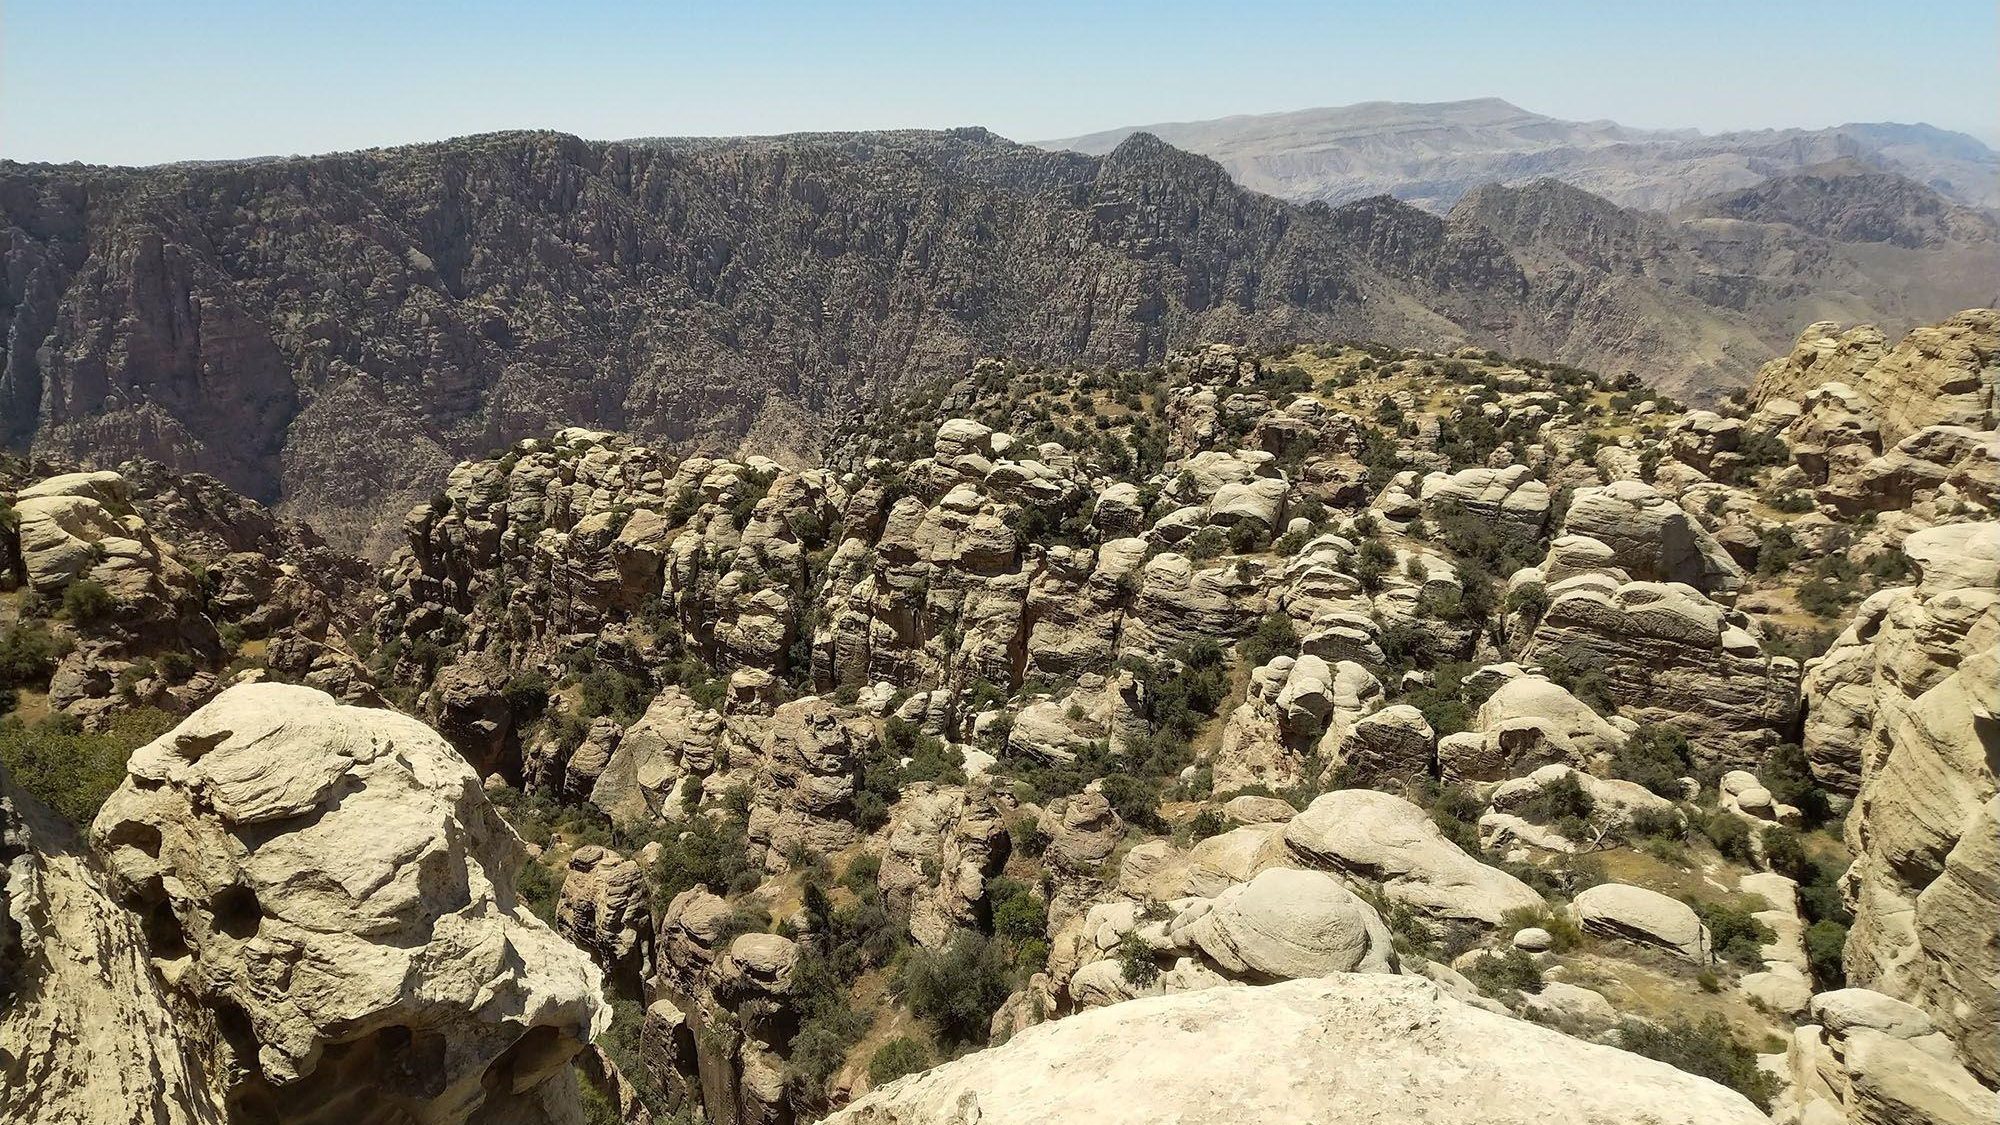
x: 139, y: 83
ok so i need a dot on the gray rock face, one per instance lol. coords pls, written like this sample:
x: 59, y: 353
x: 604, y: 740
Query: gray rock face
x: 1336, y: 1048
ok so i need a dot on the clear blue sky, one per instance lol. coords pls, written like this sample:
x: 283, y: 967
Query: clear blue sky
x: 130, y: 82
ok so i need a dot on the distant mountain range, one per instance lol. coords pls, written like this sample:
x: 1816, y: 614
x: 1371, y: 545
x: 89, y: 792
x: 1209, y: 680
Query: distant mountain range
x: 332, y: 333
x: 1430, y: 154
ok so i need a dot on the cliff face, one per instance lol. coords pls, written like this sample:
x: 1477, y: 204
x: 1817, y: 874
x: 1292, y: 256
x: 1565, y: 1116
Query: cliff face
x: 336, y: 332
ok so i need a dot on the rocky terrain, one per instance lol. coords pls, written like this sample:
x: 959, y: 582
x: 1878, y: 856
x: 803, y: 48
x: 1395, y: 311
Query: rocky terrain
x: 330, y: 335
x: 1259, y: 734
x: 1430, y: 154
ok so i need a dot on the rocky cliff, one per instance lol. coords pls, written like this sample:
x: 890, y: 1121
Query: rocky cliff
x: 334, y: 333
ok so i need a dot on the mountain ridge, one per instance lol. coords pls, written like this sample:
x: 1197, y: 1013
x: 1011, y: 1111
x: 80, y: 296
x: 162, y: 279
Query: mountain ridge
x: 1430, y: 153
x: 334, y: 333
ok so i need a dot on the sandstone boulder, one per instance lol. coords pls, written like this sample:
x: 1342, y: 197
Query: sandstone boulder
x: 331, y: 882
x: 1328, y: 1049
x: 1387, y: 840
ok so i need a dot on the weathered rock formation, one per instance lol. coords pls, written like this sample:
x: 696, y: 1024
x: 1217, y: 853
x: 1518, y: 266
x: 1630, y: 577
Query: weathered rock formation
x: 330, y: 887
x: 1328, y: 1049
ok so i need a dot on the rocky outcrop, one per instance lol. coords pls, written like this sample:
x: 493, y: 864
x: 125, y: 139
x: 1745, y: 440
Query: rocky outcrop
x: 1646, y: 916
x: 1329, y: 1049
x: 330, y: 885
x: 944, y: 843
x: 1906, y: 702
x: 604, y: 911
x: 1869, y: 1059
x: 89, y: 1033
x: 1651, y: 537
x: 1670, y: 655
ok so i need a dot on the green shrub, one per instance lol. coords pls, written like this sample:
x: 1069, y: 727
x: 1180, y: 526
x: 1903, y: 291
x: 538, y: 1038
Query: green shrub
x: 1737, y: 934
x: 1019, y: 913
x: 1729, y: 834
x: 958, y: 988
x: 1787, y: 773
x: 1581, y: 674
x: 70, y: 770
x: 527, y: 695
x: 896, y: 1058
x: 1826, y: 943
x: 1374, y: 560
x: 608, y: 691
x: 1530, y: 600
x: 1706, y: 1049
x: 86, y: 601
x: 1655, y: 756
x: 1562, y: 802
x: 1559, y: 924
x: 1274, y: 636
x: 1505, y: 974
x: 27, y: 654
x: 1136, y: 960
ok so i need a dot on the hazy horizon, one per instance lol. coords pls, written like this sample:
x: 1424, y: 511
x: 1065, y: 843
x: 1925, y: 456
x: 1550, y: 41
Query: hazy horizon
x: 127, y: 83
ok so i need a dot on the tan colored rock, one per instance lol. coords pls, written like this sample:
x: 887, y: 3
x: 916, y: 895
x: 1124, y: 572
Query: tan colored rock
x: 1328, y: 1049
x: 604, y: 910
x: 944, y: 843
x: 1670, y: 655
x: 1393, y: 744
x: 321, y: 876
x: 89, y: 1033
x: 1652, y: 537
x: 1645, y: 916
x: 1287, y: 923
x: 1387, y: 840
x: 1908, y: 699
x: 1868, y: 1059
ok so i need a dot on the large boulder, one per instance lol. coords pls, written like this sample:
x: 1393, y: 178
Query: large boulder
x: 330, y: 884
x: 1864, y: 1058
x: 1668, y: 654
x: 1619, y: 910
x: 1387, y: 840
x: 1287, y: 923
x: 1349, y: 1047
x: 1652, y: 537
x: 89, y: 1032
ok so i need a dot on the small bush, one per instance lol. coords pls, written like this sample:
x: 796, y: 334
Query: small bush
x: 958, y: 988
x: 69, y: 770
x: 1136, y: 960
x: 1826, y: 942
x: 1706, y: 1049
x: 896, y: 1058
x: 1564, y: 803
x: 86, y: 601
x: 1729, y: 834
x: 1737, y: 935
x: 27, y: 654
x: 1505, y: 974
x: 1275, y: 636
x: 1558, y: 924
x: 1656, y: 757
